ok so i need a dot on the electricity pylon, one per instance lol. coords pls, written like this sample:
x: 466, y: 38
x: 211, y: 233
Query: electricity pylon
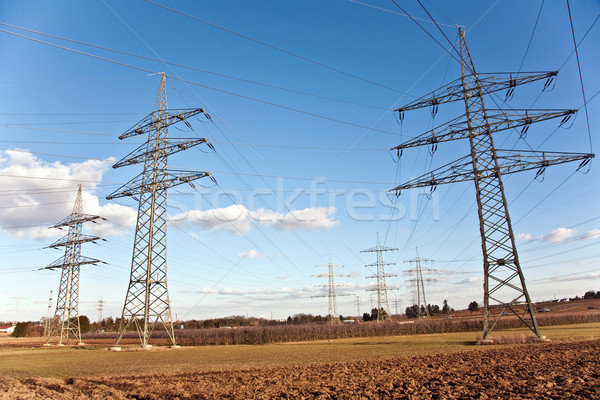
x: 66, y: 316
x: 147, y: 301
x: 334, y: 316
x: 100, y: 309
x: 418, y: 283
x: 504, y: 283
x: 383, y: 305
x: 47, y: 322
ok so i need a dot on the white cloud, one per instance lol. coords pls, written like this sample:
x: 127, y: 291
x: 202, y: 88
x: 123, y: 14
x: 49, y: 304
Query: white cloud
x: 206, y: 291
x: 251, y: 254
x: 572, y: 277
x: 559, y: 235
x: 471, y: 280
x: 264, y: 294
x: 238, y: 219
x: 523, y: 236
x: 306, y: 219
x: 235, y: 292
x: 594, y: 233
x: 351, y: 287
x: 48, y: 200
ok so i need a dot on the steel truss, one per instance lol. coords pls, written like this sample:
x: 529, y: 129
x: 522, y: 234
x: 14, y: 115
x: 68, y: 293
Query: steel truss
x: 381, y: 286
x: 504, y: 283
x: 66, y: 317
x: 147, y: 302
x: 418, y: 283
x: 334, y: 316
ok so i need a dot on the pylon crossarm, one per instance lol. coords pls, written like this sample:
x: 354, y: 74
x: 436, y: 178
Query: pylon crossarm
x: 173, y: 146
x: 163, y: 117
x: 509, y: 161
x: 66, y: 262
x: 426, y: 280
x: 386, y: 275
x: 381, y: 263
x: 499, y: 120
x: 490, y: 83
x: 376, y: 249
x: 76, y: 218
x: 174, y: 178
x: 66, y: 240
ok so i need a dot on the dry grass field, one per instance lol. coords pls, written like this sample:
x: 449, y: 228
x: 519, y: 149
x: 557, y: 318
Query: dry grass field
x: 417, y: 366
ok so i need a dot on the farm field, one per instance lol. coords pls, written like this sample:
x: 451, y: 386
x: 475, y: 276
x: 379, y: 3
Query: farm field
x: 423, y: 366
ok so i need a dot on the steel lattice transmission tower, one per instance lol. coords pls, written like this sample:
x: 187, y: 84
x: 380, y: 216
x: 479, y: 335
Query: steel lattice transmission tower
x: 66, y: 317
x: 383, y: 305
x: 147, y: 301
x: 334, y: 316
x: 504, y: 283
x: 48, y: 321
x: 418, y: 283
x: 100, y: 309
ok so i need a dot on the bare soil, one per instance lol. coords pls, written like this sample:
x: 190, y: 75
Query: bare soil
x: 536, y: 371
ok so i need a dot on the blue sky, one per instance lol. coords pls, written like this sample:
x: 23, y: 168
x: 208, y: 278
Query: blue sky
x: 300, y: 94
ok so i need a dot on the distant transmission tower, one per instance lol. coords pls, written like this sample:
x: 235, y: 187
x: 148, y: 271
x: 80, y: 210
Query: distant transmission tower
x: 334, y: 316
x: 48, y: 321
x: 66, y: 317
x: 147, y: 301
x: 396, y: 303
x: 504, y: 283
x: 418, y: 284
x: 383, y: 305
x: 100, y: 309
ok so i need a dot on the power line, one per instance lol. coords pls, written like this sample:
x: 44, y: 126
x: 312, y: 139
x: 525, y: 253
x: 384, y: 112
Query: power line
x: 273, y: 47
x: 55, y: 155
x: 189, y: 68
x: 580, y: 41
x: 244, y: 181
x: 532, y: 33
x: 393, y: 12
x: 66, y: 114
x: 587, y: 119
x: 57, y: 179
x: 424, y: 30
x: 206, y: 86
x: 217, y: 171
x: 55, y: 130
x: 440, y: 29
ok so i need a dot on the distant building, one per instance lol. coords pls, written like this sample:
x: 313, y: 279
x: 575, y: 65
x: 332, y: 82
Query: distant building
x: 7, y: 328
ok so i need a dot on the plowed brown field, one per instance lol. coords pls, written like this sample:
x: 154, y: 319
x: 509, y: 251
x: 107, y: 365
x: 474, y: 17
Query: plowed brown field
x: 538, y: 371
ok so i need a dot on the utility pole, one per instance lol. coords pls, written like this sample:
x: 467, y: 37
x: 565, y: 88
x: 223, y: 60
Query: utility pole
x: 418, y: 284
x: 48, y: 322
x: 147, y: 302
x: 333, y: 315
x: 383, y: 305
x: 504, y: 283
x: 66, y: 317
